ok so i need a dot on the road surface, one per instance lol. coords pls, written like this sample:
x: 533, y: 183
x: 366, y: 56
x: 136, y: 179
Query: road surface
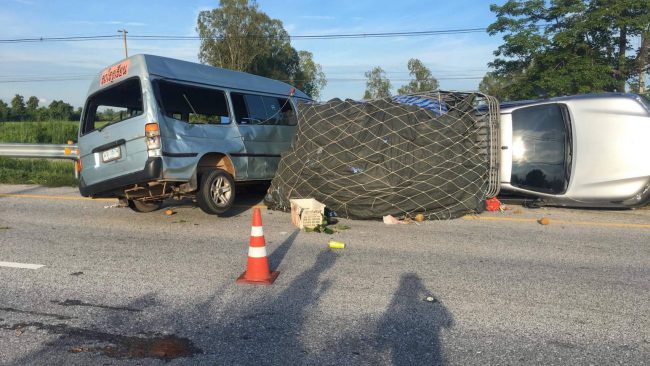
x: 84, y: 282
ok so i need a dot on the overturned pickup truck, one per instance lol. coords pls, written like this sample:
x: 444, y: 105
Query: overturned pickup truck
x: 578, y: 151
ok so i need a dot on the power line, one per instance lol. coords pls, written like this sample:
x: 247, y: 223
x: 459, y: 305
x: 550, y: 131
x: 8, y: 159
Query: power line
x: 293, y: 37
x: 54, y: 78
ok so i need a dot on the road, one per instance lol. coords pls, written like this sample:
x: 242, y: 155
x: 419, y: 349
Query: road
x: 117, y: 287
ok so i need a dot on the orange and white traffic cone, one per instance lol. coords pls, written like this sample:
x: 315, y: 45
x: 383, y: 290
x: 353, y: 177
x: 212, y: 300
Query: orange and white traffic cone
x: 257, y: 269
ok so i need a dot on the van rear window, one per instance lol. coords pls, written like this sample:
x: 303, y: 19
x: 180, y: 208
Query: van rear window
x: 193, y: 104
x: 112, y: 105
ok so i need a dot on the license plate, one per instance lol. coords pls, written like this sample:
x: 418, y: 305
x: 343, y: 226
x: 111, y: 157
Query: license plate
x: 112, y: 154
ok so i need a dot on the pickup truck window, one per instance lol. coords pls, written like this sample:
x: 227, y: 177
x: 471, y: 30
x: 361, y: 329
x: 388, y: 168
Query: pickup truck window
x: 114, y: 104
x: 193, y: 104
x: 541, y: 148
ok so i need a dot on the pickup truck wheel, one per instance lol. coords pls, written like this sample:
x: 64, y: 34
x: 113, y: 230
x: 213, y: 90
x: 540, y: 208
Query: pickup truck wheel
x: 216, y: 193
x: 140, y: 206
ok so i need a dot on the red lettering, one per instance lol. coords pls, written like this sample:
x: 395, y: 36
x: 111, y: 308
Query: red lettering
x: 114, y: 72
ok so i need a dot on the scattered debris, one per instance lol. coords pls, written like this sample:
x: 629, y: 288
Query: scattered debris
x: 333, y: 244
x: 307, y: 213
x: 419, y: 217
x: 544, y: 221
x: 117, y: 205
x: 76, y: 273
x: 4, y: 228
x: 392, y: 220
x: 430, y: 299
x: 169, y: 212
x: 179, y: 221
x: 19, y: 331
x: 517, y: 211
x: 492, y: 204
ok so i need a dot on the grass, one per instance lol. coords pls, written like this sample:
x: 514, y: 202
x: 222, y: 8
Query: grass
x: 48, y: 132
x: 51, y: 173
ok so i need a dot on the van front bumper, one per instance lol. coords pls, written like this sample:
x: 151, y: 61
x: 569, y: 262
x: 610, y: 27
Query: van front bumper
x: 152, y: 171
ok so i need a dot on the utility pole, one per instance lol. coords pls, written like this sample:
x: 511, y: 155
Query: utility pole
x: 124, y: 32
x: 643, y: 54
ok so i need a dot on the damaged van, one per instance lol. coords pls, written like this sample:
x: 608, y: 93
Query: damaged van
x: 154, y: 128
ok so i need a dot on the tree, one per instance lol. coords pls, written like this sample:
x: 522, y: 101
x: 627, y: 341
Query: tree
x: 60, y: 110
x: 566, y: 47
x: 377, y: 85
x: 18, y: 107
x: 494, y: 85
x: 4, y: 111
x: 310, y: 77
x: 32, y: 105
x: 238, y: 36
x: 423, y: 79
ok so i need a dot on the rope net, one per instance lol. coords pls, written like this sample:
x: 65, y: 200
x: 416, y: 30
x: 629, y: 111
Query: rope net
x: 433, y: 153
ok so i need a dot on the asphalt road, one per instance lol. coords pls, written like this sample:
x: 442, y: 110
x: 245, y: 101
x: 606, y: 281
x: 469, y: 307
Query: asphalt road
x: 119, y: 287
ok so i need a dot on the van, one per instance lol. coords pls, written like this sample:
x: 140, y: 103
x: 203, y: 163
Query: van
x: 154, y: 128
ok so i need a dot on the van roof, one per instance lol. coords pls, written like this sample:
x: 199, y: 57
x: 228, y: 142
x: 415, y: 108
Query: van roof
x: 165, y: 67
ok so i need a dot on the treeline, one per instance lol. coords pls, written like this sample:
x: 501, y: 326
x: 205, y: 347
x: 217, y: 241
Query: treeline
x: 20, y: 110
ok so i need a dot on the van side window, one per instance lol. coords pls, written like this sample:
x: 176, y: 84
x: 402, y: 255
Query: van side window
x: 251, y: 109
x: 114, y: 104
x: 193, y: 104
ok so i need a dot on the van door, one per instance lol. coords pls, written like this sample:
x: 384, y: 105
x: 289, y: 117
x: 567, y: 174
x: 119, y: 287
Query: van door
x: 112, y: 131
x: 267, y: 125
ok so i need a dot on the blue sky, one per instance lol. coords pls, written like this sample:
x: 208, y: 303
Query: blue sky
x: 448, y: 56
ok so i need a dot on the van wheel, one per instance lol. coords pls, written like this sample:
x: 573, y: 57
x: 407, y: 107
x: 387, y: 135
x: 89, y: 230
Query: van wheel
x: 141, y: 206
x: 216, y: 193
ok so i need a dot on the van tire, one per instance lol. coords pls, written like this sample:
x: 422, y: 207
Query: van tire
x: 143, y: 207
x: 216, y: 192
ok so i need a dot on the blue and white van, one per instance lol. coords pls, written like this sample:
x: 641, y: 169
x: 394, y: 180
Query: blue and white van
x: 154, y: 127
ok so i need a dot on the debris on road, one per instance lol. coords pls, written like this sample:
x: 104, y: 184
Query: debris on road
x: 169, y: 212
x: 333, y: 244
x: 492, y: 204
x: 544, y: 221
x: 307, y: 213
x: 4, y: 228
x: 117, y: 205
x: 392, y: 220
x: 419, y: 217
x: 430, y: 299
x: 76, y: 273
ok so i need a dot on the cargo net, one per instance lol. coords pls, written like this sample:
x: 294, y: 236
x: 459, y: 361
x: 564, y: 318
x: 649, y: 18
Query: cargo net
x: 433, y: 153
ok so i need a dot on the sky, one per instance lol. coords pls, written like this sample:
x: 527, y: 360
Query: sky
x: 458, y: 61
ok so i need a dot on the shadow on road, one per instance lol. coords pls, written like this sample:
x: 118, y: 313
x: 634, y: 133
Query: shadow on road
x: 410, y: 328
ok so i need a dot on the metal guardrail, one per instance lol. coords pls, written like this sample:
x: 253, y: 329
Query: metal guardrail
x: 42, y: 151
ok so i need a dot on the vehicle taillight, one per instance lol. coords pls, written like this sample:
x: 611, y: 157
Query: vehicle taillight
x: 152, y: 136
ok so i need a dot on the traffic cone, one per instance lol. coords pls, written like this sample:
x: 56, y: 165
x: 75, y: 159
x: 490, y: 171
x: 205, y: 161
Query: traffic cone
x: 257, y: 269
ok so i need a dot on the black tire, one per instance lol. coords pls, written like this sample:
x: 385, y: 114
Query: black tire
x: 143, y: 207
x: 216, y: 192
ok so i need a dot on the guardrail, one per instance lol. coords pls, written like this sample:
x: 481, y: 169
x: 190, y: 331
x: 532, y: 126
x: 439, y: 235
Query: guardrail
x: 42, y: 151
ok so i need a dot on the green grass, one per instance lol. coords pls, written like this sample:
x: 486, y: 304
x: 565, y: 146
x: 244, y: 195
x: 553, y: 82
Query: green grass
x: 51, y: 173
x: 48, y: 132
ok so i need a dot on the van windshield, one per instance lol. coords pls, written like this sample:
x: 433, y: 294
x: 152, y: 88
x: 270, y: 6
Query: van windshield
x: 541, y: 148
x: 112, y: 105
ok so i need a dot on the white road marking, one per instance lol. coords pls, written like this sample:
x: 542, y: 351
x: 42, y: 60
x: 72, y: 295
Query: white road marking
x: 21, y: 265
